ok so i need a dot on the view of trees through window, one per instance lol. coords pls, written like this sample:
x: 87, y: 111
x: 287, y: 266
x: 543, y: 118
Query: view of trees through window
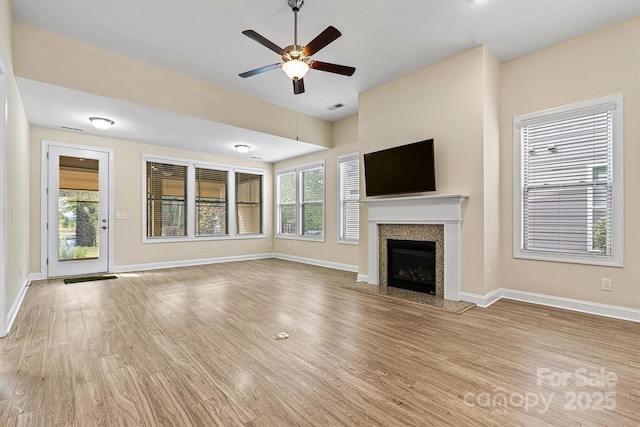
x: 287, y: 202
x: 312, y: 206
x: 211, y: 201
x: 301, y: 198
x: 77, y: 224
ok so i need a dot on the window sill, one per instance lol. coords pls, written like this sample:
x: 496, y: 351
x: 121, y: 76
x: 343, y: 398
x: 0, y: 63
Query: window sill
x: 296, y: 237
x: 349, y: 242
x: 203, y: 238
x: 606, y: 261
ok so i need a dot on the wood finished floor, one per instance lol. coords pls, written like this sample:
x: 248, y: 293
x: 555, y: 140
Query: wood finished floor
x: 193, y: 346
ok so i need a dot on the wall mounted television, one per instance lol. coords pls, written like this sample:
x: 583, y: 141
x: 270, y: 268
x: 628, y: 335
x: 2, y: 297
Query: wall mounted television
x: 405, y: 169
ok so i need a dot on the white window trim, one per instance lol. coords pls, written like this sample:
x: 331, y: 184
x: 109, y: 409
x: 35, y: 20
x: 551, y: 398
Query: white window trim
x: 191, y: 200
x: 344, y: 158
x: 617, y: 256
x: 298, y: 203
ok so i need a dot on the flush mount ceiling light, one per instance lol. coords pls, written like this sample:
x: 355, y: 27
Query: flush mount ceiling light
x: 101, y: 122
x: 242, y: 148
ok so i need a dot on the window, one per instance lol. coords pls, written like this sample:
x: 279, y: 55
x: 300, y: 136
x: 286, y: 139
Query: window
x: 312, y: 204
x: 568, y: 183
x: 248, y: 203
x: 300, y: 201
x: 211, y: 201
x: 188, y: 200
x: 166, y: 199
x: 287, y: 223
x: 348, y: 196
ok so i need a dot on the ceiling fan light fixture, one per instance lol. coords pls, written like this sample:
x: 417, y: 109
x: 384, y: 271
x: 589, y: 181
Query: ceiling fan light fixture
x: 101, y: 122
x: 242, y: 148
x: 295, y: 69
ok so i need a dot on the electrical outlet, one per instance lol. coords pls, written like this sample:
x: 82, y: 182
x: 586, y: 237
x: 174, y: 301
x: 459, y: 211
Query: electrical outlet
x: 607, y: 284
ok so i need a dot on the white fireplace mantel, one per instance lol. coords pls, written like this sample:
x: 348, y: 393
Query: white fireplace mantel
x: 438, y: 209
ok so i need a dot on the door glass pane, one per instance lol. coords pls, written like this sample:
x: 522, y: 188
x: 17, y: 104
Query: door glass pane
x: 78, y: 209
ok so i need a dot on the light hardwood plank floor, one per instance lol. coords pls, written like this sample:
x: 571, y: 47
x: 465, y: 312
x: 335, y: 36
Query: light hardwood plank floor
x: 193, y: 347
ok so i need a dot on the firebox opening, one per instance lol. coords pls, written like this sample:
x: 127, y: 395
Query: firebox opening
x: 412, y: 265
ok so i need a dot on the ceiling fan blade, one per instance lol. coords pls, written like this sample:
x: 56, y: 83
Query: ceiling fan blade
x: 323, y: 39
x: 298, y: 86
x: 260, y: 70
x: 264, y: 42
x: 333, y: 68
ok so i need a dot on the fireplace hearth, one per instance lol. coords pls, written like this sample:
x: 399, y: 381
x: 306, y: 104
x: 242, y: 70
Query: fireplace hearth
x: 412, y: 265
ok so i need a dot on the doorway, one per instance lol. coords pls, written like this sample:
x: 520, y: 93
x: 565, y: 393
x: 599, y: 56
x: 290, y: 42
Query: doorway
x: 78, y: 207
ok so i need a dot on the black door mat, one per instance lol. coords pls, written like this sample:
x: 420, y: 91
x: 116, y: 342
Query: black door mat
x: 88, y: 278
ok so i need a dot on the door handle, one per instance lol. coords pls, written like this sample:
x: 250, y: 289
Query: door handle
x: 104, y: 227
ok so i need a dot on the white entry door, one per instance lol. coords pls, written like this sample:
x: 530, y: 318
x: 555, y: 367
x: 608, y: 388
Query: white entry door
x: 78, y: 209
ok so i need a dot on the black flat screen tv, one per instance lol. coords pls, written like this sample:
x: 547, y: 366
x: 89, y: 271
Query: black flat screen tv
x: 405, y: 169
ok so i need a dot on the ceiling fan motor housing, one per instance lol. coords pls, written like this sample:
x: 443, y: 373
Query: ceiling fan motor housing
x: 295, y: 5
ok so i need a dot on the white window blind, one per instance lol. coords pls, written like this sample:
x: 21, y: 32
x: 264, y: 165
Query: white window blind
x: 567, y: 181
x: 248, y: 203
x: 348, y: 196
x: 211, y: 201
x: 166, y: 199
x: 194, y: 200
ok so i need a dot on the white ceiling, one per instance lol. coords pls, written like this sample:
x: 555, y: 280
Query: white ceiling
x: 383, y: 39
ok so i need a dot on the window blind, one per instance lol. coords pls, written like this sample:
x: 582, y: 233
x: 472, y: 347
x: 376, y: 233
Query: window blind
x: 248, y: 203
x: 567, y: 182
x: 211, y: 188
x: 166, y: 199
x: 349, y: 194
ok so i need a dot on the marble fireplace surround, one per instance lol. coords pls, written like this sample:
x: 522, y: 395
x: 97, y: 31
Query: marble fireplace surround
x: 438, y: 209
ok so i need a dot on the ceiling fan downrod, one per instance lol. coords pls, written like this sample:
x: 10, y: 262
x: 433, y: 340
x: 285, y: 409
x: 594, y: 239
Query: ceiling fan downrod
x: 295, y: 5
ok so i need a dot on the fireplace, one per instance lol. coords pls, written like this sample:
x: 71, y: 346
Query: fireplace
x: 404, y: 213
x: 412, y: 265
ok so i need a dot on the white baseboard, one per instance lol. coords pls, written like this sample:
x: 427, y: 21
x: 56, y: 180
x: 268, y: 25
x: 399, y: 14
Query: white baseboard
x: 363, y: 278
x: 605, y: 310
x: 318, y: 262
x: 15, y: 307
x: 187, y: 263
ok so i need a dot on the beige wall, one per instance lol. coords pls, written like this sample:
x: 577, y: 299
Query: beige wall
x: 58, y: 60
x: 345, y: 137
x: 491, y: 169
x: 598, y: 64
x: 129, y: 249
x: 446, y: 102
x: 17, y: 209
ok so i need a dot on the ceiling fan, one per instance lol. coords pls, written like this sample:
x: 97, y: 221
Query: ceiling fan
x: 297, y: 59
